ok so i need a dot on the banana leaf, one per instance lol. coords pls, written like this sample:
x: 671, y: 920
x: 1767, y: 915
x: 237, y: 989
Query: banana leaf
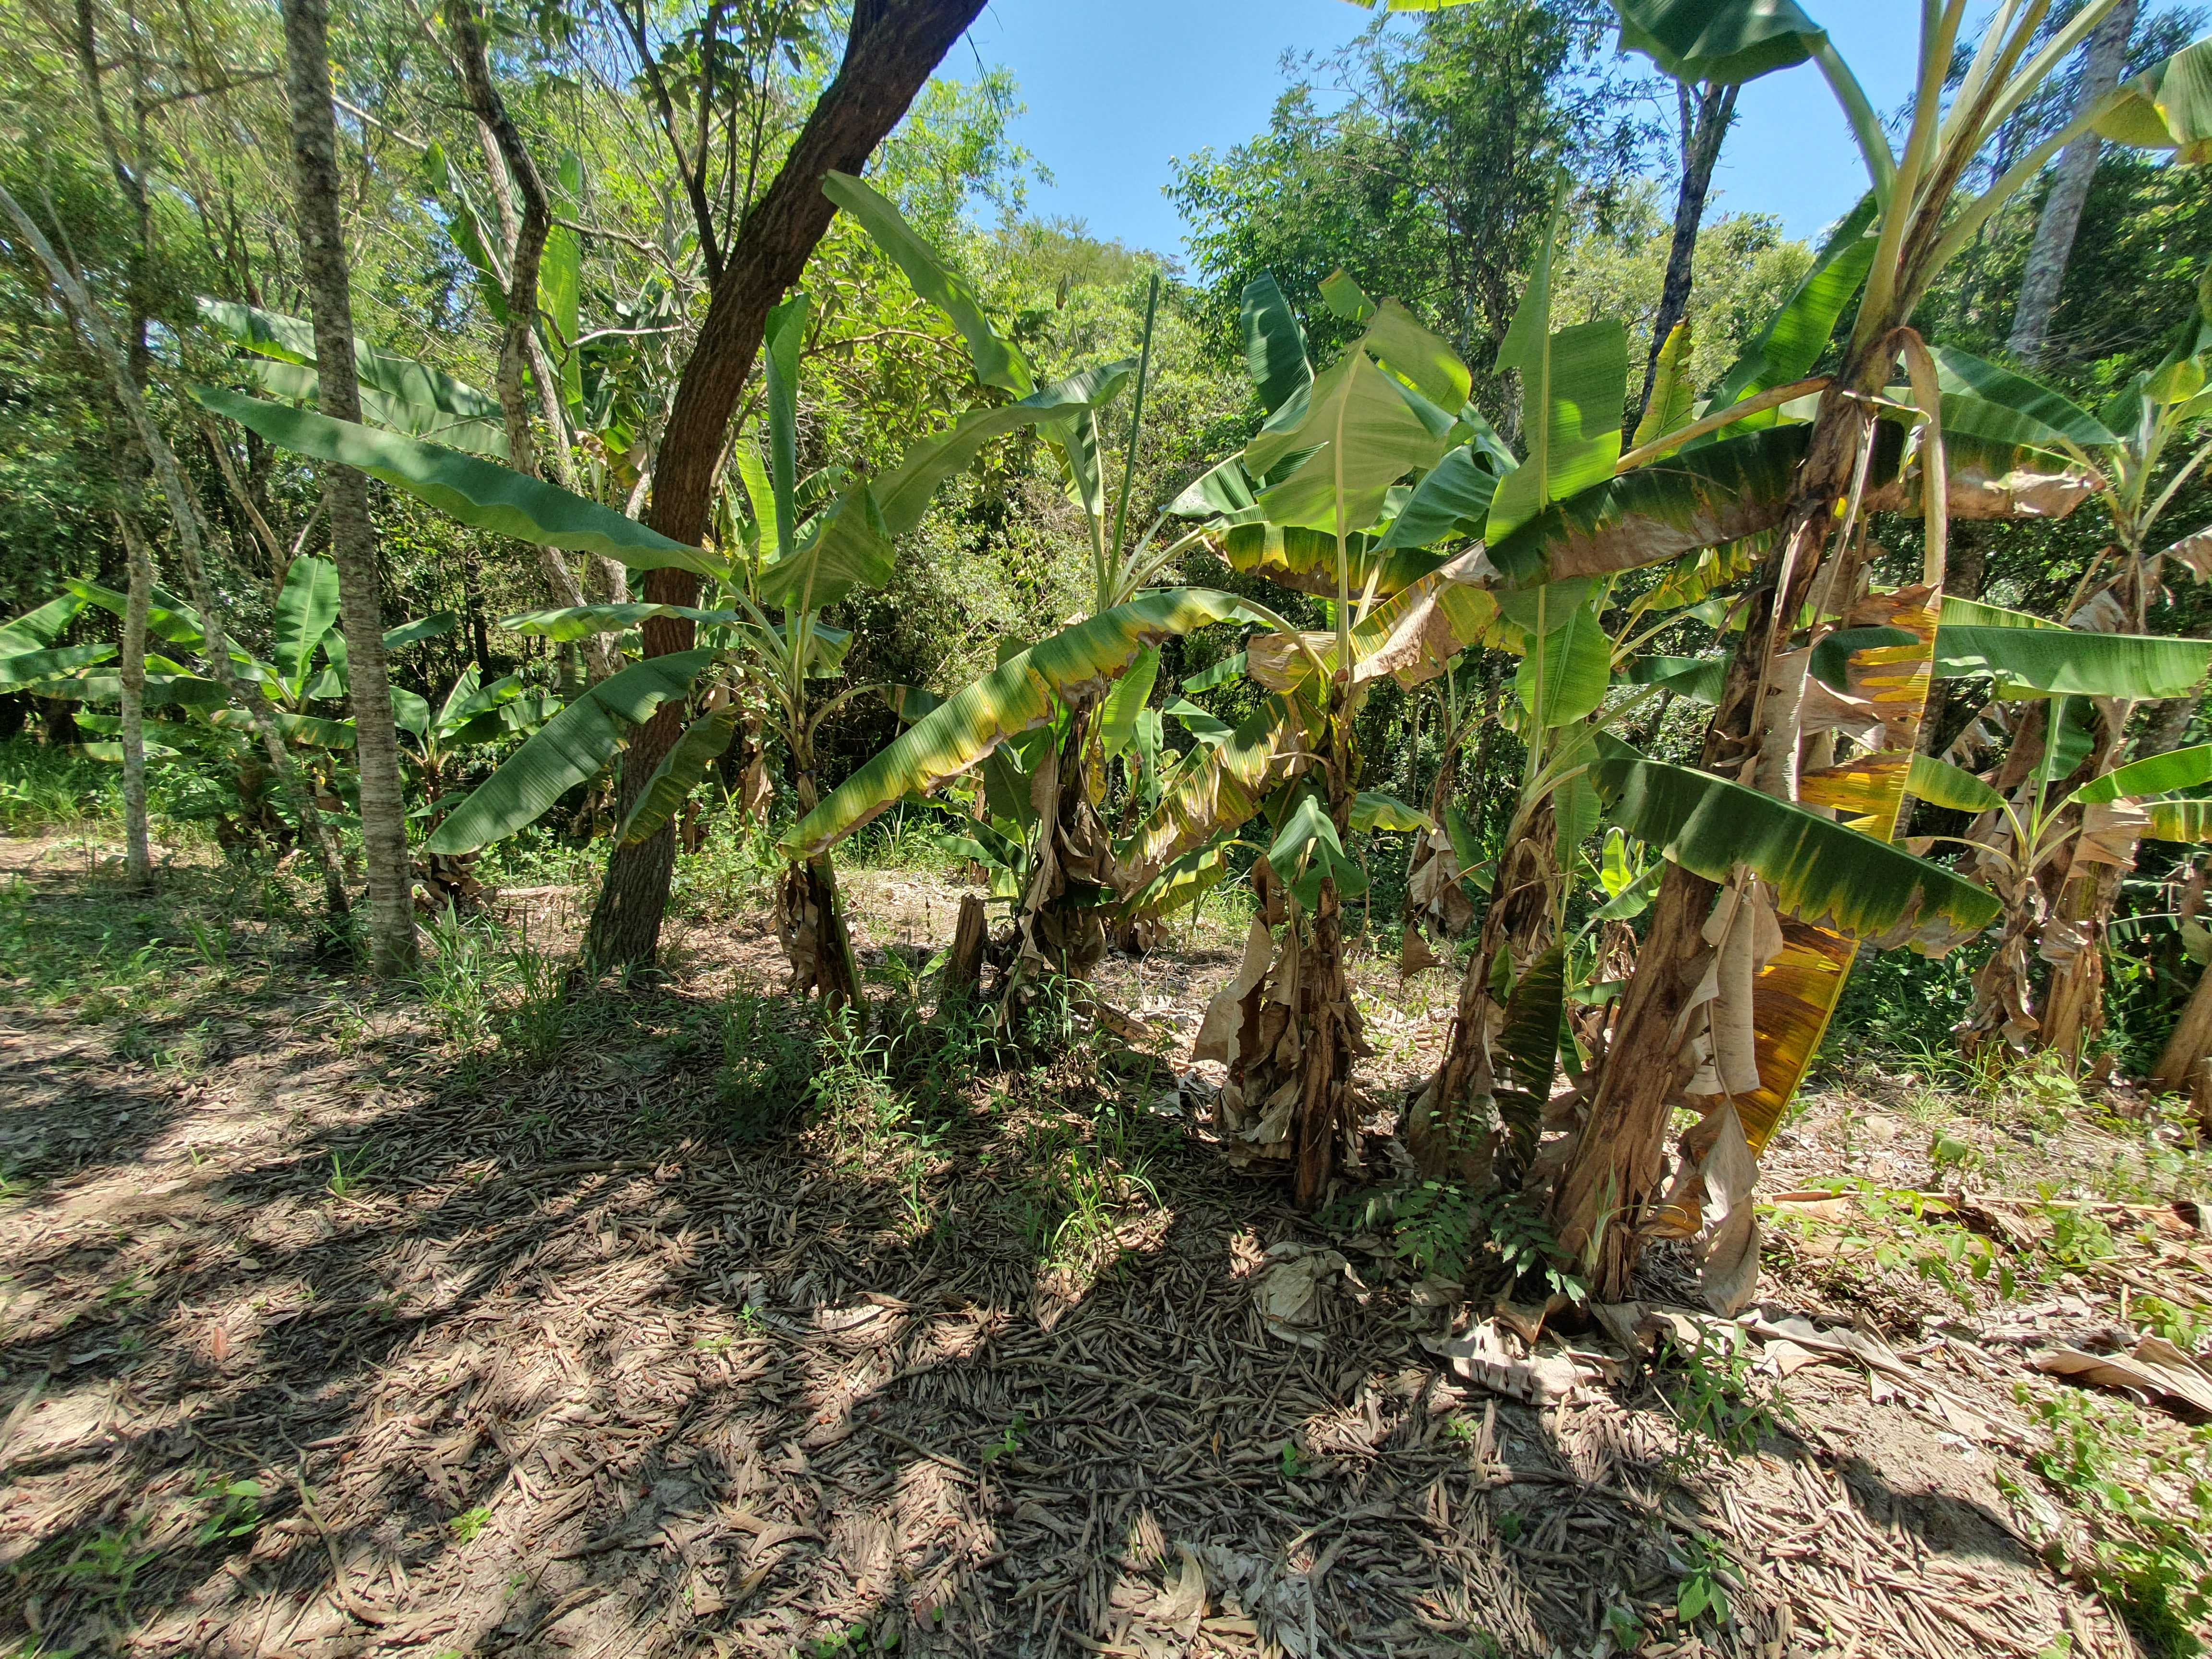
x: 1305, y: 561
x: 903, y: 493
x: 1720, y: 493
x: 2168, y: 106
x: 476, y: 492
x: 997, y: 361
x: 1977, y: 384
x: 1274, y: 345
x: 1700, y: 679
x: 306, y: 609
x: 1372, y: 810
x: 1076, y: 666
x: 1117, y: 715
x: 572, y: 747
x: 576, y: 622
x: 1794, y: 338
x: 2186, y: 821
x: 1941, y: 784
x: 1721, y: 42
x: 167, y: 616
x: 1360, y: 435
x: 1452, y: 500
x: 34, y: 630
x: 30, y: 667
x: 679, y: 773
x: 1307, y: 851
x: 1567, y: 669
x: 2069, y: 662
x: 2156, y: 775
x: 1823, y: 872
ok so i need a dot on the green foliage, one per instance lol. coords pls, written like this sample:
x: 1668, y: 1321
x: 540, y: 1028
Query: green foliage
x: 767, y: 1060
x: 1721, y: 1405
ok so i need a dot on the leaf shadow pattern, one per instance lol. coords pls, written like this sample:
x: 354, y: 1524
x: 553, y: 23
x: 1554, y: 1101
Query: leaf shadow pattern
x: 548, y: 1382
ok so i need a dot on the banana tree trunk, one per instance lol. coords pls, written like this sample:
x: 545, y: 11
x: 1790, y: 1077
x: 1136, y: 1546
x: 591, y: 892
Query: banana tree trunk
x: 2186, y: 1065
x: 1059, y: 929
x: 1293, y: 1030
x: 1455, y: 1126
x: 345, y: 492
x: 810, y: 915
x: 137, y: 856
x: 2074, y: 941
x: 1603, y: 1192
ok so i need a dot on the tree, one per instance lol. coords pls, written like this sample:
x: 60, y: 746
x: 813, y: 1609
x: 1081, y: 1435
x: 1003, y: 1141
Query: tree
x: 891, y: 47
x: 352, y: 536
x: 2060, y: 218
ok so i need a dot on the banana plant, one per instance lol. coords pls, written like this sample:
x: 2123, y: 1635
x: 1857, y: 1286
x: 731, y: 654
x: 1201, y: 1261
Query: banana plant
x: 1069, y: 879
x: 1604, y: 1198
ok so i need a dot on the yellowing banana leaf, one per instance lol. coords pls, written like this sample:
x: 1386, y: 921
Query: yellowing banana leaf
x: 1304, y: 560
x: 1414, y: 636
x: 1860, y: 790
x: 2189, y: 821
x: 679, y: 773
x: 997, y: 361
x: 1704, y: 497
x: 1076, y: 666
x: 1823, y: 872
x: 477, y: 493
x: 1373, y: 810
x: 568, y: 750
x: 2168, y: 107
x: 1941, y: 784
x: 1217, y: 787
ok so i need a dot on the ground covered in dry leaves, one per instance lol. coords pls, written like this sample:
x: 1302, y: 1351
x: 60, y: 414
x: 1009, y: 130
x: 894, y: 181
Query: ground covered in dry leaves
x: 476, y: 1319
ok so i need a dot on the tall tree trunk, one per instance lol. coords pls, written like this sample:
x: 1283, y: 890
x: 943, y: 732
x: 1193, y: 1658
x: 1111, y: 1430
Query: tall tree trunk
x: 892, y: 49
x: 191, y: 541
x: 2046, y: 272
x: 137, y: 854
x: 508, y: 158
x: 345, y: 491
x: 2184, y: 1068
x: 1705, y: 117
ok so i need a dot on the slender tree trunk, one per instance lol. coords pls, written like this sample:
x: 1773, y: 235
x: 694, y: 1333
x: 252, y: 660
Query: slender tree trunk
x: 1705, y: 117
x: 345, y: 491
x: 507, y: 157
x: 810, y: 914
x: 892, y: 49
x: 2069, y: 190
x: 137, y: 854
x: 191, y: 541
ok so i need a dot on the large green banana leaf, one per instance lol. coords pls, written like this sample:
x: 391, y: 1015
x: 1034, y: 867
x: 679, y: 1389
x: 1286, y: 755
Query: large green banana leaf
x: 307, y: 609
x: 998, y: 362
x: 1567, y: 668
x: 679, y: 773
x: 1571, y: 390
x: 1941, y: 784
x: 167, y: 616
x: 1077, y: 665
x: 782, y: 341
x: 1274, y: 345
x: 2154, y: 774
x: 572, y: 746
x: 2168, y: 106
x: 576, y: 622
x: 34, y: 667
x: 397, y: 392
x: 476, y: 492
x: 1117, y: 715
x: 34, y: 630
x: 1700, y: 679
x: 1360, y: 436
x: 1720, y: 493
x: 2049, y: 414
x: 845, y: 546
x: 1821, y: 871
x: 1451, y: 501
x: 465, y: 228
x: 902, y: 495
x: 1794, y: 338
x: 2068, y: 662
x: 1722, y: 42
x: 1307, y: 851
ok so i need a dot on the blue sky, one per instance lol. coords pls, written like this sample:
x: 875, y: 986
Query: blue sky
x: 1117, y: 88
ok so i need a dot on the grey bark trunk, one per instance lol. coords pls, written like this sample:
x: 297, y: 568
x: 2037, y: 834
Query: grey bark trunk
x: 192, y: 537
x: 1705, y: 124
x: 137, y: 854
x: 507, y: 160
x: 2069, y: 190
x: 345, y: 491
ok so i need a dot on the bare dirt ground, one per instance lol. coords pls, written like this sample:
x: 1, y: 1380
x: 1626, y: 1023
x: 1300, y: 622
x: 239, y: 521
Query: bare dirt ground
x: 330, y: 1328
